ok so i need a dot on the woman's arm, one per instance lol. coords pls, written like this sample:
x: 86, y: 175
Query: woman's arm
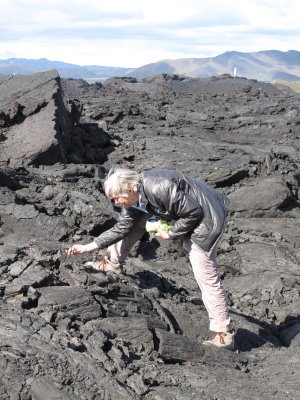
x: 125, y: 223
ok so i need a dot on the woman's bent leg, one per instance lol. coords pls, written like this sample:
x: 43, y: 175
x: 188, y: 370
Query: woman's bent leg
x: 119, y: 251
x: 213, y: 293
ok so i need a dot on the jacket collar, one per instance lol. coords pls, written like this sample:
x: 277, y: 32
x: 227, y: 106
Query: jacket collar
x: 143, y: 201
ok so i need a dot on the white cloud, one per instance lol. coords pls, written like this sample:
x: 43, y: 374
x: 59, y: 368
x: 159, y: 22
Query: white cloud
x: 134, y: 32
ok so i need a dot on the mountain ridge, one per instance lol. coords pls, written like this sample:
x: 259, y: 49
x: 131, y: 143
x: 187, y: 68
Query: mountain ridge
x: 265, y: 65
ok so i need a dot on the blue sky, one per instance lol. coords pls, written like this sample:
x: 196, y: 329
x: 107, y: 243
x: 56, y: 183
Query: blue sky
x: 131, y: 33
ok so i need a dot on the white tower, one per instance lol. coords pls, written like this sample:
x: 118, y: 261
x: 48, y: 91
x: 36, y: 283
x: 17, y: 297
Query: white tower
x: 234, y: 72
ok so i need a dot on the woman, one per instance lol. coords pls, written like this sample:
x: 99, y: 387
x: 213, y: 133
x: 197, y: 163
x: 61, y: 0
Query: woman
x: 199, y: 215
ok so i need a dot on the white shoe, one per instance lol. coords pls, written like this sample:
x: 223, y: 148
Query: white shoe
x: 105, y: 265
x: 223, y: 340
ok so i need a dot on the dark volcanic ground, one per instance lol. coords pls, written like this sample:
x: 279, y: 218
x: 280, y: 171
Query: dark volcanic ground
x: 67, y: 332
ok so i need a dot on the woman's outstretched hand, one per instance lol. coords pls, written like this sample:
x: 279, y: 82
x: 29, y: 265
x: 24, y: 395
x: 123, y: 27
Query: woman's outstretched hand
x: 81, y: 248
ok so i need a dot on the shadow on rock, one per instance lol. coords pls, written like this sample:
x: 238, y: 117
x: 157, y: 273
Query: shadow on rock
x: 254, y: 334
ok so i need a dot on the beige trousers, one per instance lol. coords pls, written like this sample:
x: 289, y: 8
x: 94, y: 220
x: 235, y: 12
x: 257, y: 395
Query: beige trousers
x: 208, y: 279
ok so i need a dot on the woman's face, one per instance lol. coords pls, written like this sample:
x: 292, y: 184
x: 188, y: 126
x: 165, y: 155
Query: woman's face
x: 127, y: 201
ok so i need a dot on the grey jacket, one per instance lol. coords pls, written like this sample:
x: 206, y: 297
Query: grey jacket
x: 199, y: 211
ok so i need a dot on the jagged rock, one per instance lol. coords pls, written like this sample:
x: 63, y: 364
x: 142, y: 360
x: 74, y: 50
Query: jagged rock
x: 17, y: 268
x: 8, y: 179
x: 34, y: 275
x: 137, y: 331
x: 43, y: 135
x: 178, y: 348
x: 70, y: 302
x: 73, y: 332
x: 290, y: 337
x: 42, y: 388
x: 257, y: 257
x: 261, y: 198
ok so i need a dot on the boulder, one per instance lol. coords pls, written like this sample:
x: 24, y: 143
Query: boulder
x: 262, y: 197
x: 35, y: 121
x: 291, y: 336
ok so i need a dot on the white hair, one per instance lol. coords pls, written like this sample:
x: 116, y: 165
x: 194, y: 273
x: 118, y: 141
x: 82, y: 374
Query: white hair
x: 119, y: 181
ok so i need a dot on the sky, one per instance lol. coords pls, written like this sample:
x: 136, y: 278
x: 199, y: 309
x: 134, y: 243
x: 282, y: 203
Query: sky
x: 132, y: 33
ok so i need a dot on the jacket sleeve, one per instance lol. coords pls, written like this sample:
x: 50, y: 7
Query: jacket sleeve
x: 127, y: 219
x: 187, y: 209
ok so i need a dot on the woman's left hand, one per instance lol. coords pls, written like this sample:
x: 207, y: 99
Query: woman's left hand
x: 160, y: 234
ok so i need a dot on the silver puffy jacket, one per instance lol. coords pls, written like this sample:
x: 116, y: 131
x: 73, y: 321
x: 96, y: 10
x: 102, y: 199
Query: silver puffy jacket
x: 198, y: 210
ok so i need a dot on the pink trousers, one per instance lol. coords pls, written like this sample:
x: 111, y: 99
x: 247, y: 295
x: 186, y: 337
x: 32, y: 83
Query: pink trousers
x: 204, y: 269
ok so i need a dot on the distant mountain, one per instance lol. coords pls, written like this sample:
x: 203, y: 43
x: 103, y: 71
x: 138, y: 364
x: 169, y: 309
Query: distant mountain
x: 262, y: 65
x: 29, y: 66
